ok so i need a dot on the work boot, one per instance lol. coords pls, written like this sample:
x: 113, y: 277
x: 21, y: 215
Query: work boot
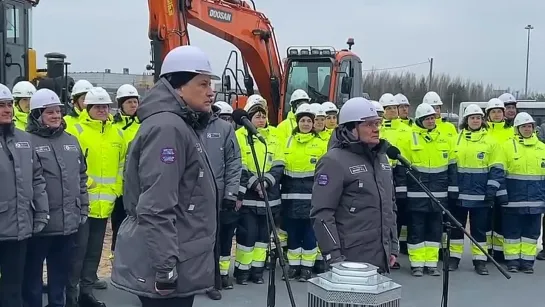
x: 100, y: 284
x: 319, y: 266
x: 305, y: 275
x: 242, y: 278
x: 433, y: 271
x: 257, y: 278
x: 226, y: 282
x: 453, y: 264
x: 541, y: 255
x: 214, y: 294
x: 526, y: 269
x: 294, y: 272
x: 89, y: 300
x: 417, y: 272
x: 480, y: 267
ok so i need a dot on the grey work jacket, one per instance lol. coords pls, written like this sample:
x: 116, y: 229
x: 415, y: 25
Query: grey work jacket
x: 171, y: 198
x: 222, y: 148
x: 23, y: 199
x: 353, y: 203
x: 64, y: 170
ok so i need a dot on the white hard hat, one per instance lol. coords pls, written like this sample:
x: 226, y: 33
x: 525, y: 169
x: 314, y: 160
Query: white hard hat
x: 305, y: 108
x: 433, y: 99
x: 317, y: 109
x: 127, y: 90
x: 225, y: 108
x: 473, y: 109
x: 5, y: 93
x: 81, y: 87
x: 357, y: 109
x: 424, y: 110
x: 23, y: 89
x: 299, y: 95
x: 507, y: 98
x: 401, y: 99
x: 97, y: 95
x: 494, y: 103
x: 377, y: 106
x: 387, y: 100
x: 523, y: 118
x: 44, y: 98
x: 329, y: 106
x: 254, y: 100
x: 187, y: 59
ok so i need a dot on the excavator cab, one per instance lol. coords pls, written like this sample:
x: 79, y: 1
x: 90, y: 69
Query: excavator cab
x: 15, y: 53
x: 324, y: 73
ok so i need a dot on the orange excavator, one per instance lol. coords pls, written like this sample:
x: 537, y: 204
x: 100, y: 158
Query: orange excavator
x: 323, y: 72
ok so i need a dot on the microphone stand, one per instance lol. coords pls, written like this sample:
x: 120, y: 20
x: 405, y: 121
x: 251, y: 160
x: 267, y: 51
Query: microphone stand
x: 271, y: 289
x: 452, y: 223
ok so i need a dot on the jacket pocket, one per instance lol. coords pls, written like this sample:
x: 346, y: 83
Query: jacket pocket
x: 196, y: 265
x: 362, y: 246
x: 4, y: 206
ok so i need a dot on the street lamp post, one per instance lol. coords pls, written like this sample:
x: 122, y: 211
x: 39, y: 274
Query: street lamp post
x: 528, y: 28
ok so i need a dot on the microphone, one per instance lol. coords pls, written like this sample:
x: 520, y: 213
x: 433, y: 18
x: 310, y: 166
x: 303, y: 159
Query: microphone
x: 241, y: 118
x: 393, y: 153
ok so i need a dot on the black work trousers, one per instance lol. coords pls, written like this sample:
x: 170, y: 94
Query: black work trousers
x: 479, y: 224
x: 58, y: 253
x: 12, y: 268
x: 118, y: 215
x: 424, y: 234
x: 168, y: 302
x: 402, y: 218
x: 87, y: 253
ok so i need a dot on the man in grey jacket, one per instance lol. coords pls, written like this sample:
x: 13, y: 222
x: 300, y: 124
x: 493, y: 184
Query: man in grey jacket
x: 23, y: 201
x: 222, y: 147
x: 165, y: 246
x: 353, y: 205
x: 64, y: 169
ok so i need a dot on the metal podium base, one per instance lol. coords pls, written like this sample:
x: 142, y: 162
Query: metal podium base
x: 351, y: 284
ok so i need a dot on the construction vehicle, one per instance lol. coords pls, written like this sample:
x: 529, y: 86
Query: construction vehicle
x: 325, y: 73
x: 18, y: 59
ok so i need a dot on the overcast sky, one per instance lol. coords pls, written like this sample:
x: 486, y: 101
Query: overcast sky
x: 482, y: 40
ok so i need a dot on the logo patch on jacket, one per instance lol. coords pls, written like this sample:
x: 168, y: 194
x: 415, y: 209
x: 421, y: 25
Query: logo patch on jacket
x: 322, y: 179
x: 356, y: 169
x: 70, y: 147
x: 213, y: 135
x: 313, y: 160
x: 386, y: 166
x: 480, y: 155
x: 445, y: 155
x: 44, y: 148
x: 542, y: 164
x: 168, y: 155
x: 22, y: 145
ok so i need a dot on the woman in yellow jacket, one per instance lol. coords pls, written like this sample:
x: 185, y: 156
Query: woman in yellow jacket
x: 302, y: 151
x: 524, y: 164
x: 319, y: 121
x: 500, y: 132
x: 480, y: 175
x: 125, y: 120
x: 252, y: 235
x: 104, y: 149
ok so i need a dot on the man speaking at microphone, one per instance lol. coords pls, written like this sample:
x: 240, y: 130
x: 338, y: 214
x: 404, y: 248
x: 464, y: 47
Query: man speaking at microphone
x: 353, y: 205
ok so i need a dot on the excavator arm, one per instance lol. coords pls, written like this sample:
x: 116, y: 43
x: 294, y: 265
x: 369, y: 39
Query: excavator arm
x: 234, y: 21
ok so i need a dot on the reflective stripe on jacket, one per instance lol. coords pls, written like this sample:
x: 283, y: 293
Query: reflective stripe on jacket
x: 64, y: 170
x: 272, y: 170
x: 104, y: 148
x: 524, y: 163
x: 480, y: 171
x: 301, y: 153
x: 431, y: 154
x: 23, y: 199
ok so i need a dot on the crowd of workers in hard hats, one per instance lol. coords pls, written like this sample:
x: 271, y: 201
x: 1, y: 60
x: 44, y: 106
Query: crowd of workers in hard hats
x: 64, y: 180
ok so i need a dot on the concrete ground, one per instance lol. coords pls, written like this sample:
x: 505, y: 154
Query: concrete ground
x: 466, y: 289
